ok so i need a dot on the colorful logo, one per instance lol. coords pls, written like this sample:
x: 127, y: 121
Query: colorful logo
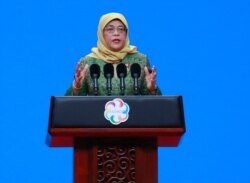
x: 116, y: 111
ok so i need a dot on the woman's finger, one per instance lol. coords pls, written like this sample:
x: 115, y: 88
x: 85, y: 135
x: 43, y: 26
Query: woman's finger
x: 146, y: 70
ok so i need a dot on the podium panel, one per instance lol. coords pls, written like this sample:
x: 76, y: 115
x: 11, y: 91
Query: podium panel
x: 115, y: 139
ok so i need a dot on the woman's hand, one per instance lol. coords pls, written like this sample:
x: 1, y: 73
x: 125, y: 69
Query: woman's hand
x: 79, y: 76
x: 151, y: 79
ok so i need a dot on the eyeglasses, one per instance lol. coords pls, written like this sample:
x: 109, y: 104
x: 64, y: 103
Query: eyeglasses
x: 111, y: 30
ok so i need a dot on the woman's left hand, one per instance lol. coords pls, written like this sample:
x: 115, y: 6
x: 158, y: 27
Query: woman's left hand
x: 150, y: 78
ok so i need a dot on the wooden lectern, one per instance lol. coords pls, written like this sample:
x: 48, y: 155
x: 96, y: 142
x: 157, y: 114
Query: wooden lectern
x: 115, y: 139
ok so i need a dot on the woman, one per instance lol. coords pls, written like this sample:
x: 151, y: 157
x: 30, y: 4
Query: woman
x: 113, y: 48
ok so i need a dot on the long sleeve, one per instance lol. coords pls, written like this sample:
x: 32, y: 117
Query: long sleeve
x: 83, y: 91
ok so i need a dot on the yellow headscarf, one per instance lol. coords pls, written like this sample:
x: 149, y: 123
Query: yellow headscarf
x: 102, y: 52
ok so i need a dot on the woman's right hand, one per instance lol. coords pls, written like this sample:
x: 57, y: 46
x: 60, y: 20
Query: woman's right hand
x: 79, y: 76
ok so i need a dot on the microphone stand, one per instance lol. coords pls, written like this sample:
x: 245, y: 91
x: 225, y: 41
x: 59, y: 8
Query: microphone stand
x: 95, y: 73
x: 122, y: 84
x: 122, y: 73
x: 136, y: 85
x: 108, y: 73
x: 109, y: 84
x: 135, y: 73
x: 95, y: 84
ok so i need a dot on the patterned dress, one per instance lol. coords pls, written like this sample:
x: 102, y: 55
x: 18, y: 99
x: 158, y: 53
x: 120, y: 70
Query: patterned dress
x: 128, y: 60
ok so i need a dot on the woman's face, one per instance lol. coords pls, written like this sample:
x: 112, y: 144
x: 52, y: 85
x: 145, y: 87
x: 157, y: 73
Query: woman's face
x: 115, y: 34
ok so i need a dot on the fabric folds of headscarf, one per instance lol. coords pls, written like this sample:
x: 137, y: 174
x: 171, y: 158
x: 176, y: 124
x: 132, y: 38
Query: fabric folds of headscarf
x: 102, y: 52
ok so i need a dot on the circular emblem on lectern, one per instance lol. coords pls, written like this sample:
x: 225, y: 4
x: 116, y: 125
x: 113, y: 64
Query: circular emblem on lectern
x: 116, y: 111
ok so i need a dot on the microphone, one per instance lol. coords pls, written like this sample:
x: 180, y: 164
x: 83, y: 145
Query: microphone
x: 136, y: 73
x: 95, y: 74
x: 108, y: 73
x: 122, y: 73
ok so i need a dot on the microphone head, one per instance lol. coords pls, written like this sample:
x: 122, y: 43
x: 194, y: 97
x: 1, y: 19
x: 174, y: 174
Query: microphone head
x: 94, y: 71
x: 135, y: 70
x: 121, y: 70
x: 108, y: 70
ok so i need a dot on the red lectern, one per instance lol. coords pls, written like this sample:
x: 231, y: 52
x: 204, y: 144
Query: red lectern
x: 115, y: 139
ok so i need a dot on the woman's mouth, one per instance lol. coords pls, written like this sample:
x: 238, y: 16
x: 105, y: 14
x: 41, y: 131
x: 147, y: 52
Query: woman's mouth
x: 116, y: 41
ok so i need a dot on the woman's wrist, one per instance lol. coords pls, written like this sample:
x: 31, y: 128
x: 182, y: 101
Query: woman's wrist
x: 76, y: 88
x: 153, y: 91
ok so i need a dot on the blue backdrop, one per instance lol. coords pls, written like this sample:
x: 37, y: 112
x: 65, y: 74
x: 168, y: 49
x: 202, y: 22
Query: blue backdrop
x: 201, y: 51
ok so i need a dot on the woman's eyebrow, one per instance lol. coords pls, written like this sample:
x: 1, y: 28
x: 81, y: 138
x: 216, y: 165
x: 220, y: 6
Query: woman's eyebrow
x: 114, y: 26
